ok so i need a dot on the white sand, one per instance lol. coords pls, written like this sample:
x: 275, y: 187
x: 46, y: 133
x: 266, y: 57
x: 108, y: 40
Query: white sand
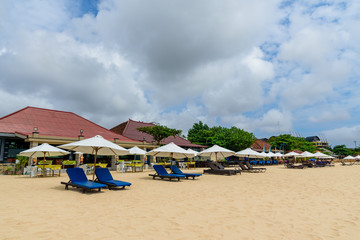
x: 320, y: 203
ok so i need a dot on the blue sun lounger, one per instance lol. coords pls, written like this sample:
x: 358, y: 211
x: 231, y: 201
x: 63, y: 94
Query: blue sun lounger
x: 104, y: 176
x: 176, y: 170
x: 78, y: 179
x: 162, y: 173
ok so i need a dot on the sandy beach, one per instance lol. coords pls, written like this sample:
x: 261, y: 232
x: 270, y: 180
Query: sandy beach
x: 320, y: 203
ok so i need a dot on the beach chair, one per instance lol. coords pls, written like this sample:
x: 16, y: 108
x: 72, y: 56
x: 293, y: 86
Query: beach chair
x: 104, y: 176
x: 308, y: 164
x: 221, y: 167
x: 329, y: 164
x: 78, y: 179
x: 291, y: 165
x: 214, y: 169
x: 320, y: 164
x: 162, y: 173
x: 347, y: 164
x: 244, y: 168
x: 249, y: 166
x: 176, y: 170
x: 253, y: 162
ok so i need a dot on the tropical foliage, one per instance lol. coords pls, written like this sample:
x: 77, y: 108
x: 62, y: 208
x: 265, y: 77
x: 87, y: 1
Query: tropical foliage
x: 232, y: 138
x: 342, y: 150
x: 159, y: 132
x: 289, y: 143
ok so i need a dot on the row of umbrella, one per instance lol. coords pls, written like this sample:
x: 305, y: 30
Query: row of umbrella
x: 99, y: 146
x: 96, y: 145
x: 352, y: 158
x: 307, y: 154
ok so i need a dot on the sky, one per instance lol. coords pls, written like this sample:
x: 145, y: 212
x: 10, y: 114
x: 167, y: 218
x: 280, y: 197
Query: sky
x: 269, y: 67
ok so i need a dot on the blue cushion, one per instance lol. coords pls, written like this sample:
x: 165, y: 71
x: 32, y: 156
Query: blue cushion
x: 76, y: 175
x: 117, y: 183
x: 176, y: 170
x: 162, y: 172
x: 89, y: 184
x: 103, y: 174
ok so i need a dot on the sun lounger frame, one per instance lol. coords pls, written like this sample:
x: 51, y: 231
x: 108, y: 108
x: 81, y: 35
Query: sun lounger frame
x: 291, y: 165
x: 244, y: 168
x: 249, y: 166
x: 162, y: 175
x: 111, y: 183
x: 347, y: 164
x: 221, y: 167
x: 214, y: 169
x: 187, y: 175
x: 67, y: 184
x: 79, y: 174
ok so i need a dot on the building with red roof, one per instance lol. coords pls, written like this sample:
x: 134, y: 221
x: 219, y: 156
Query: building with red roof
x: 129, y: 129
x: 260, y: 145
x: 31, y: 126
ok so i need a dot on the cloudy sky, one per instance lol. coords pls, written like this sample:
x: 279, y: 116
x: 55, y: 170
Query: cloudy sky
x: 268, y: 67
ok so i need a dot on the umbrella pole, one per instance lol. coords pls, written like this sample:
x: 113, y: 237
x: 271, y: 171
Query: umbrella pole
x: 43, y: 166
x: 96, y: 150
x: 171, y: 155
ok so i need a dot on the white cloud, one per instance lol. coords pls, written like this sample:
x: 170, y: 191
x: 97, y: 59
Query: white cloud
x: 343, y: 135
x: 177, y: 63
x: 272, y: 122
x: 329, y: 115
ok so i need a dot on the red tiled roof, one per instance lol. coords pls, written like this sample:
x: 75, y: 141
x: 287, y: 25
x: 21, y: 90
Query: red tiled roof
x: 129, y: 129
x: 259, y: 144
x: 54, y: 123
x: 298, y: 151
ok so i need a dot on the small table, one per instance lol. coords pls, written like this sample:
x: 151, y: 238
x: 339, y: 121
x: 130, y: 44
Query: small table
x: 52, y: 169
x: 134, y: 164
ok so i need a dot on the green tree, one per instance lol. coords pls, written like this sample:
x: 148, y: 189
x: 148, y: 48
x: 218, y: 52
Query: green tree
x: 232, y: 138
x: 238, y: 139
x: 200, y: 134
x: 159, y: 132
x: 290, y: 143
x: 341, y: 150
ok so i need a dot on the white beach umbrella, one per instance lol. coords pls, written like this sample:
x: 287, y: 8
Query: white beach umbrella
x: 307, y: 154
x: 248, y: 152
x: 192, y: 151
x: 321, y: 155
x: 97, y: 146
x: 43, y: 150
x: 292, y: 154
x: 263, y: 155
x: 357, y: 157
x: 278, y: 154
x: 170, y: 150
x: 271, y: 154
x: 136, y: 151
x: 349, y: 157
x: 216, y: 152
